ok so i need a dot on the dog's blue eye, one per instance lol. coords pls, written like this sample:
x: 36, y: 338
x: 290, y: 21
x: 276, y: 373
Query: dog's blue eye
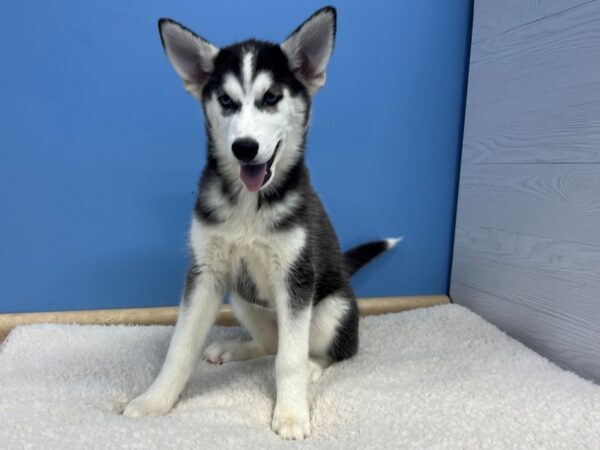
x: 225, y: 101
x: 271, y: 99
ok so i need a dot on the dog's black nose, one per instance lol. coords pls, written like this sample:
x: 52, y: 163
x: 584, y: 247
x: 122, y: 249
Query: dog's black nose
x: 245, y: 149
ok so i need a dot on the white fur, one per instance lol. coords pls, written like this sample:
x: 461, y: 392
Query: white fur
x: 247, y: 62
x: 291, y: 418
x: 233, y: 88
x: 392, y: 242
x: 261, y: 84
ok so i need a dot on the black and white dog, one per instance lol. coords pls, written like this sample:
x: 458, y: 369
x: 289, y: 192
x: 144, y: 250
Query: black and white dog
x: 258, y: 227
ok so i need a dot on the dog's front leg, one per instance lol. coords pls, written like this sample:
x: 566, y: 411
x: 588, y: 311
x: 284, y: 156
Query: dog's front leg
x: 197, y: 313
x: 291, y: 418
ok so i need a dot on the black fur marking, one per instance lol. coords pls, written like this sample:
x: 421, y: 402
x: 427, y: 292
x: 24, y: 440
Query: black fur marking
x: 360, y: 255
x: 246, y: 288
x: 326, y: 257
x: 271, y: 59
x: 329, y: 281
x: 210, y: 176
x: 227, y: 192
x: 211, y: 172
x: 292, y: 219
x: 345, y: 344
x: 206, y: 214
x: 301, y: 282
x: 228, y: 60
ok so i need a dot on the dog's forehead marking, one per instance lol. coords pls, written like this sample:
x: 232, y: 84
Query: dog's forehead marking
x: 253, y: 89
x: 232, y: 86
x: 247, y: 85
x: 247, y: 70
x: 262, y: 82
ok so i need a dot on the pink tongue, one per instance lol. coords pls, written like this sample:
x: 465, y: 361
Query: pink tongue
x: 253, y: 176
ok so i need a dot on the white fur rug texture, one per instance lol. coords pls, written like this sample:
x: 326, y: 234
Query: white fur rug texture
x: 438, y: 377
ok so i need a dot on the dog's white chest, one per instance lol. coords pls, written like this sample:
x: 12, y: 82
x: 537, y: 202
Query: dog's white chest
x: 267, y: 256
x: 258, y: 260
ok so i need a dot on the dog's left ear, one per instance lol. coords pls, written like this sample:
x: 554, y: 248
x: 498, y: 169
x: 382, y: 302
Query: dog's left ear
x: 309, y: 48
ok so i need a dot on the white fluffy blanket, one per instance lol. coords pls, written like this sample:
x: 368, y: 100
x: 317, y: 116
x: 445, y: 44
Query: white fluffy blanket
x: 437, y: 377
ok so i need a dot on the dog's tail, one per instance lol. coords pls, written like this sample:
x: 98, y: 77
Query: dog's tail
x: 358, y: 256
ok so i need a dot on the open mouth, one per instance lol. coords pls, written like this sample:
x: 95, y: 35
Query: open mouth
x: 257, y: 175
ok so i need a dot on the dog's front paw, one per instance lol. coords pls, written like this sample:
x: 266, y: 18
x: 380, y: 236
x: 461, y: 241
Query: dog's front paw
x: 147, y: 405
x: 290, y: 424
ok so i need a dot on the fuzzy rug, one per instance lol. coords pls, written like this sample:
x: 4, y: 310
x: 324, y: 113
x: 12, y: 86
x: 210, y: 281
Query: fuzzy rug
x: 437, y: 377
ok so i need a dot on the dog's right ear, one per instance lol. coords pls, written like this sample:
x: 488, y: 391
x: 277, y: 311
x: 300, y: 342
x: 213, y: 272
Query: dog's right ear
x: 192, y: 57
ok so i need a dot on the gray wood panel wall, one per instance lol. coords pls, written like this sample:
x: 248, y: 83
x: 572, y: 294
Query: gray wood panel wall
x: 527, y: 241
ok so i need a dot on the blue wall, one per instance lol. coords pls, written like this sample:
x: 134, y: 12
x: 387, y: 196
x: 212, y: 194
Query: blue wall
x: 100, y: 147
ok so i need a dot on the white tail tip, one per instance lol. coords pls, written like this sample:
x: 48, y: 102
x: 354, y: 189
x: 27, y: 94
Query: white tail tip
x: 392, y: 242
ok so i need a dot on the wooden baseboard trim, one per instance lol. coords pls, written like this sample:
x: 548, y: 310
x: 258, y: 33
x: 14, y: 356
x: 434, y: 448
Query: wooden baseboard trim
x: 168, y: 315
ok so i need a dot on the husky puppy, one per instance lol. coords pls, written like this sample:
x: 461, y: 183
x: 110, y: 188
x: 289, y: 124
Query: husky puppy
x: 259, y: 229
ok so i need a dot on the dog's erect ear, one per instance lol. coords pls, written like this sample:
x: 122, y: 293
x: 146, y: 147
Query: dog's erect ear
x: 309, y: 47
x: 191, y: 56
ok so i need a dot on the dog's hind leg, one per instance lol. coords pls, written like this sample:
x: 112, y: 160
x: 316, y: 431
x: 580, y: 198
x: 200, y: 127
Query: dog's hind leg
x: 261, y: 323
x: 334, y: 329
x: 262, y: 326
